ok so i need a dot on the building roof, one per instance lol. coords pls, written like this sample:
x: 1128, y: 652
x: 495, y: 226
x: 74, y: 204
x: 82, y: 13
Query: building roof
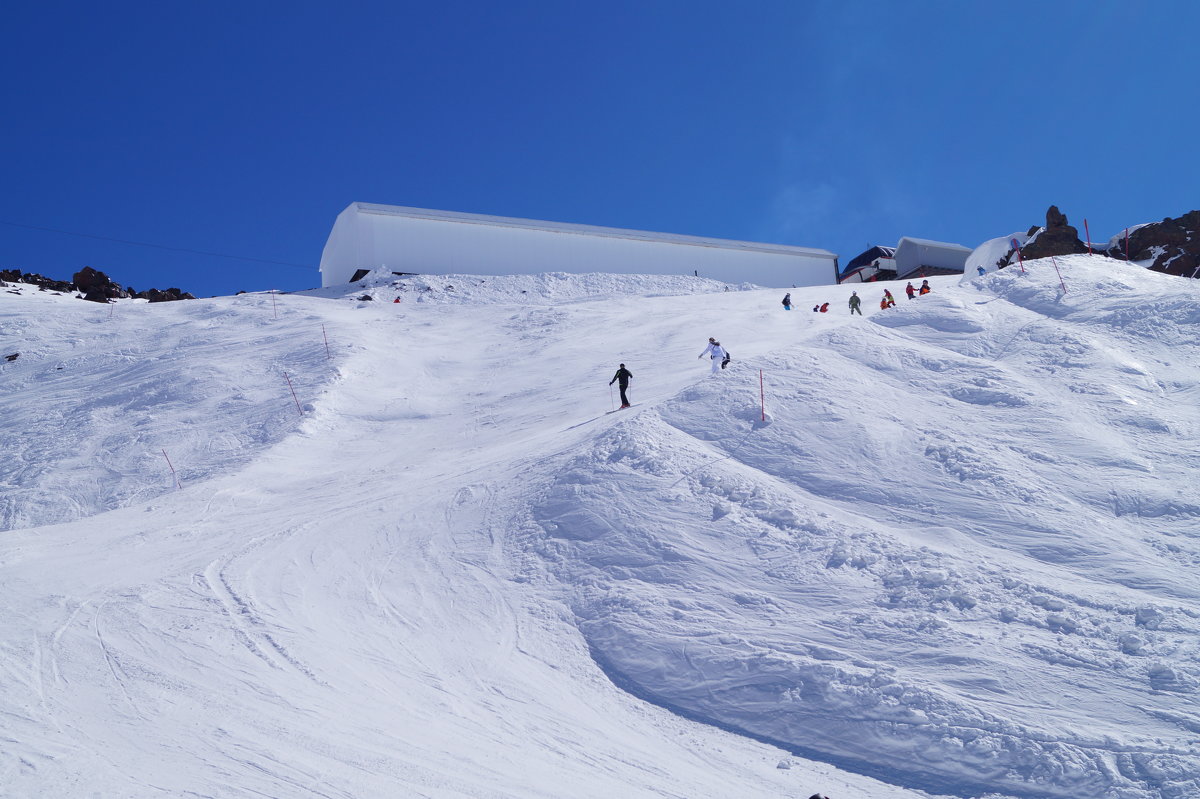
x: 589, y: 230
x: 865, y: 258
x: 941, y: 245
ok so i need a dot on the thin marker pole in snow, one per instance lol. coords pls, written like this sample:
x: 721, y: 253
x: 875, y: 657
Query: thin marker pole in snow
x: 274, y: 310
x: 1021, y: 260
x: 1054, y: 261
x: 110, y: 307
x: 289, y: 382
x: 172, y: 468
x: 762, y: 397
x: 1087, y: 233
x: 326, y: 336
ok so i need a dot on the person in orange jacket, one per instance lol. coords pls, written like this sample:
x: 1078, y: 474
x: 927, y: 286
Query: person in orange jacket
x: 924, y: 287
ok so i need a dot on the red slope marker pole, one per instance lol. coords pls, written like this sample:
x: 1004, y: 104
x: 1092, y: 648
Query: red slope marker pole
x: 172, y: 468
x: 289, y: 382
x: 1054, y: 261
x: 1087, y: 233
x: 762, y: 397
x: 1020, y: 259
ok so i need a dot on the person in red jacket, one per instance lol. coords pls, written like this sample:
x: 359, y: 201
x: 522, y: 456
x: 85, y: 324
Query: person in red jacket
x: 910, y: 291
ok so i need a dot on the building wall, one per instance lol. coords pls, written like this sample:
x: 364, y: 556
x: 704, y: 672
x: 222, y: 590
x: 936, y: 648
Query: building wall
x: 368, y: 240
x: 912, y: 254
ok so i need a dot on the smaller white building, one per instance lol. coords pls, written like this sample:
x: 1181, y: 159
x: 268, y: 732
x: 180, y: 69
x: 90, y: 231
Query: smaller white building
x: 924, y: 258
x: 418, y: 240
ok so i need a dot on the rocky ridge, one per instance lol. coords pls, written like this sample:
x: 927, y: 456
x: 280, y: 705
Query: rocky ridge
x: 92, y: 285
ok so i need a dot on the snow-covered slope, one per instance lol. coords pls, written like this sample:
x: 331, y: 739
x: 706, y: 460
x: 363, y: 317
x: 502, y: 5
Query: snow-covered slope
x: 956, y: 558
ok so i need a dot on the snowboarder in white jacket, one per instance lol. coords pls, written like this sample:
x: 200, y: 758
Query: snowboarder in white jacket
x: 716, y: 352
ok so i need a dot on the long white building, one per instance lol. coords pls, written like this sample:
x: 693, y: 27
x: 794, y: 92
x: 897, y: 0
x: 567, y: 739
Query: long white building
x: 367, y: 237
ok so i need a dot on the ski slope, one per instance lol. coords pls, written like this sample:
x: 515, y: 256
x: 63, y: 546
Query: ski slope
x: 957, y: 558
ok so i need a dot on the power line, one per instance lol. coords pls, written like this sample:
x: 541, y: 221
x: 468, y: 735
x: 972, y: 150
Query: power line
x: 159, y: 246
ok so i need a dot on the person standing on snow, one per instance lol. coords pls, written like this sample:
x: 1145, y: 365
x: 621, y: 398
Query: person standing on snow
x: 855, y: 302
x: 910, y: 291
x: 622, y: 378
x: 888, y: 300
x: 924, y: 287
x: 982, y: 271
x: 716, y: 352
x: 787, y: 301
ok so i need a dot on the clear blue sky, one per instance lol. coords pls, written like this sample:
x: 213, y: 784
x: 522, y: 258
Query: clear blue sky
x: 244, y: 128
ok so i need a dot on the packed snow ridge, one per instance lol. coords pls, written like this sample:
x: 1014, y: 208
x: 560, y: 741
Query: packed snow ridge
x: 945, y: 549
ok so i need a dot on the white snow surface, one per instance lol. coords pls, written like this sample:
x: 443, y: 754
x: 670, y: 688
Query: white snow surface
x: 990, y: 252
x: 957, y: 557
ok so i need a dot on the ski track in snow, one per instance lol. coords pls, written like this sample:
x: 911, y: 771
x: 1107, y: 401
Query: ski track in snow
x: 958, y: 558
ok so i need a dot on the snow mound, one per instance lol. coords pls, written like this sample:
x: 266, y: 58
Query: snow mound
x: 97, y: 407
x: 962, y: 554
x: 989, y: 253
x: 547, y: 288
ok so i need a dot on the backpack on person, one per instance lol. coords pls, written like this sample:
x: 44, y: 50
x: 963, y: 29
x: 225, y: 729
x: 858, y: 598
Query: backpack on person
x: 726, y: 360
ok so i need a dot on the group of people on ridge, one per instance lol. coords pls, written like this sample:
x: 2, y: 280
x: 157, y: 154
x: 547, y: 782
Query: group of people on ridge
x: 888, y: 301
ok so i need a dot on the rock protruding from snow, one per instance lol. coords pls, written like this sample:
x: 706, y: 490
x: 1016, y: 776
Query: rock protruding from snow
x: 1056, y: 238
x: 1171, y: 246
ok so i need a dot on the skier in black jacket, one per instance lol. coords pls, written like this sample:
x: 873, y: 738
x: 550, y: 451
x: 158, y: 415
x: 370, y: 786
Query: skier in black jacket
x: 624, y: 376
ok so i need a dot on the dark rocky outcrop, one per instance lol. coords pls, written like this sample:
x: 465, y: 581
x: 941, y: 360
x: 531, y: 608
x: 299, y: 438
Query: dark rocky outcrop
x: 33, y: 279
x: 1172, y: 244
x: 170, y: 295
x: 93, y: 285
x: 1056, y: 238
x: 96, y: 286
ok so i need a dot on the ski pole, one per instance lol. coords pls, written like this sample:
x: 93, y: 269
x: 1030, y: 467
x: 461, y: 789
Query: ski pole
x: 612, y: 403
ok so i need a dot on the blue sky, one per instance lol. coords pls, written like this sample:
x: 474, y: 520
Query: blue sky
x: 244, y: 128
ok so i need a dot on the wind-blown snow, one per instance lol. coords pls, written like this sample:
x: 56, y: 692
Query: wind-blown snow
x: 958, y: 556
x: 989, y: 253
